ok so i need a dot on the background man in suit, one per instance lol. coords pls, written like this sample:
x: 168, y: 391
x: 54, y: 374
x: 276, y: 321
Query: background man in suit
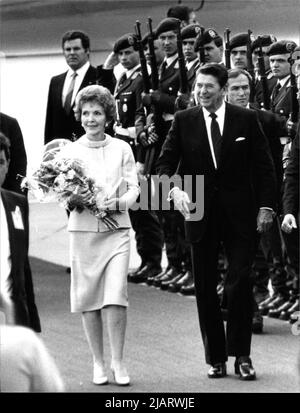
x: 15, y: 273
x: 226, y: 144
x: 60, y: 120
x: 18, y: 159
x: 238, y: 93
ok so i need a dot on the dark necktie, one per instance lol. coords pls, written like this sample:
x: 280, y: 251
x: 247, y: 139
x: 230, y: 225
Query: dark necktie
x: 122, y: 80
x: 68, y: 100
x: 216, y: 136
x: 163, y: 68
x: 276, y: 91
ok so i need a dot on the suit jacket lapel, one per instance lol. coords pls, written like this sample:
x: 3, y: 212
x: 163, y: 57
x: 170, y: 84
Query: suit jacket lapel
x: 200, y: 137
x: 9, y: 208
x: 169, y: 71
x: 228, y: 132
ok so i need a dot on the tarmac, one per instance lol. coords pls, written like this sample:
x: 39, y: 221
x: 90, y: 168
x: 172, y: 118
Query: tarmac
x: 163, y: 351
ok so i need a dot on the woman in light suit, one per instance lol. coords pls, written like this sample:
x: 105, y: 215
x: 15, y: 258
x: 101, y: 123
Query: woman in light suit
x: 100, y: 257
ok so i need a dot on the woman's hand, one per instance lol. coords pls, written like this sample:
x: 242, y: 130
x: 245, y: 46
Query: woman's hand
x: 79, y: 199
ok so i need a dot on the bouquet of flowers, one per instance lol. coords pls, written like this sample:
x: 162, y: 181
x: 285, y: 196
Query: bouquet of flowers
x: 62, y: 177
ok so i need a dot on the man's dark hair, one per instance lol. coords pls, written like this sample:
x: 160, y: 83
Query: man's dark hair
x: 76, y: 34
x: 234, y: 73
x: 180, y: 12
x: 5, y: 145
x: 216, y: 70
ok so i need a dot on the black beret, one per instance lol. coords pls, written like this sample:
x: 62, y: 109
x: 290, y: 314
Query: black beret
x: 281, y: 47
x: 127, y: 40
x: 238, y: 40
x: 266, y: 40
x: 209, y: 35
x: 190, y: 32
x: 166, y: 25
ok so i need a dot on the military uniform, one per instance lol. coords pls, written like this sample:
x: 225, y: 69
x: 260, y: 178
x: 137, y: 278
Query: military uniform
x: 130, y: 114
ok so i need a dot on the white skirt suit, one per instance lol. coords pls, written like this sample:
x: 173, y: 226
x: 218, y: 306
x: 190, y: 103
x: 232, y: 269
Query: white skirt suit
x: 100, y: 257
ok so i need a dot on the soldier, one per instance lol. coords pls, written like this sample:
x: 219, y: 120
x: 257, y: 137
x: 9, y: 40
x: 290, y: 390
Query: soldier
x: 213, y: 46
x: 279, y: 54
x: 130, y: 113
x: 281, y: 104
x: 164, y: 99
x: 266, y: 41
x: 238, y: 51
x: 188, y: 36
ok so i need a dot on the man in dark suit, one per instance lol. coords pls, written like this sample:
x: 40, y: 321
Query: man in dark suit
x: 15, y: 272
x: 227, y: 146
x: 18, y: 159
x: 60, y: 120
x: 238, y: 93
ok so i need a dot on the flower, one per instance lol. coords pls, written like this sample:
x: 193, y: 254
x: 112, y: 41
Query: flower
x: 64, y: 177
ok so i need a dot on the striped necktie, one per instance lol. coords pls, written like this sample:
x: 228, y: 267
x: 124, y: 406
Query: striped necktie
x: 68, y: 100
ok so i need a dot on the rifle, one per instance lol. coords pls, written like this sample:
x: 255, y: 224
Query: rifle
x: 201, y: 47
x: 144, y: 70
x: 250, y: 66
x: 184, y: 86
x: 263, y: 76
x: 150, y: 151
x: 227, y: 49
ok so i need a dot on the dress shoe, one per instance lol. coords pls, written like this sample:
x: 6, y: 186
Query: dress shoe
x: 99, y: 377
x: 151, y: 278
x: 275, y: 301
x: 68, y: 270
x: 120, y: 380
x: 169, y: 275
x: 165, y: 284
x: 217, y: 371
x: 142, y: 275
x: 188, y: 289
x: 186, y: 279
x: 257, y: 323
x: 276, y: 312
x: 134, y: 272
x: 243, y: 367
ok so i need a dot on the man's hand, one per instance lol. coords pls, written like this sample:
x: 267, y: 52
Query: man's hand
x: 155, y: 95
x: 111, y: 61
x: 264, y: 220
x: 152, y: 135
x: 140, y: 168
x: 142, y: 139
x: 181, y: 201
x: 288, y: 223
x: 146, y: 100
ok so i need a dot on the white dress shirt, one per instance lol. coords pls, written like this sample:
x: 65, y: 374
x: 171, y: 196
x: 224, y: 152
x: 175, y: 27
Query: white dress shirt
x: 78, y: 80
x: 220, y: 119
x: 5, y: 255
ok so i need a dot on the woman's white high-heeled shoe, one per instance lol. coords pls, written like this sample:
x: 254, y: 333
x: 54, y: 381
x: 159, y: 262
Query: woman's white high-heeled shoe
x: 98, y: 376
x: 120, y: 380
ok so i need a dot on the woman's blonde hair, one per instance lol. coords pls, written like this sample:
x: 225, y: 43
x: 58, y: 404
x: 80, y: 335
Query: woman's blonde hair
x: 99, y: 94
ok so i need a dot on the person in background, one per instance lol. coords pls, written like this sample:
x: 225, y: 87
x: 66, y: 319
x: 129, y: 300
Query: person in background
x: 18, y: 159
x: 238, y: 50
x: 26, y: 365
x: 213, y: 46
x: 16, y: 283
x: 60, y: 121
x: 99, y: 270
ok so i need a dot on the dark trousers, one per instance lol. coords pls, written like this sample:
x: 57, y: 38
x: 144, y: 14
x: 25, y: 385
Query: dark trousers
x: 240, y: 250
x: 177, y: 249
x: 270, y: 262
x: 148, y: 236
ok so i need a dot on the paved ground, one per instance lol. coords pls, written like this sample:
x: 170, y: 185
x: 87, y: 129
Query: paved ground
x: 164, y: 352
